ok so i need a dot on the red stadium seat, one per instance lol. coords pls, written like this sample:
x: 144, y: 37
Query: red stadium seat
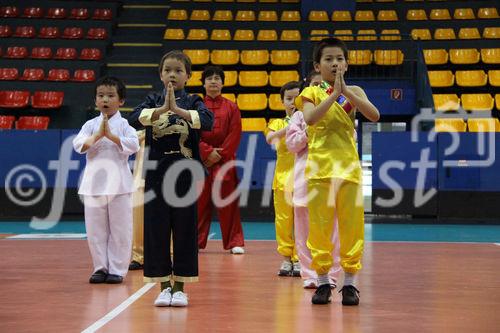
x: 47, y: 99
x: 9, y: 11
x: 72, y: 33
x: 33, y: 12
x: 41, y: 52
x: 32, y: 123
x: 58, y: 75
x: 102, y: 14
x: 5, y: 31
x: 11, y: 99
x: 79, y: 14
x: 97, y: 33
x: 66, y: 53
x: 32, y: 74
x: 24, y: 32
x: 6, y: 122
x: 56, y: 13
x: 9, y: 74
x: 90, y: 54
x: 49, y: 32
x: 84, y: 75
x: 16, y: 52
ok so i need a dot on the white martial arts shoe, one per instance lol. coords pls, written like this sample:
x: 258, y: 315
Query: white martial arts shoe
x: 310, y: 284
x: 179, y: 299
x: 285, y: 268
x: 165, y: 298
x: 237, y: 250
x: 296, y: 269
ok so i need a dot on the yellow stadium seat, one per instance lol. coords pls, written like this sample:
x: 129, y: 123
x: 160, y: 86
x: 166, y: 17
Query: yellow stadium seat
x: 487, y: 13
x: 290, y: 16
x: 231, y: 97
x: 202, y: 0
x: 224, y: 57
x: 220, y: 34
x: 197, y: 34
x: 463, y: 14
x: 444, y: 33
x: 390, y: 34
x: 230, y: 78
x: 476, y: 78
x: 224, y: 0
x: 389, y: 57
x: 440, y: 14
x: 290, y: 35
x: 267, y: 35
x: 253, y: 78
x: 252, y: 102
x: 423, y: 34
x: 285, y: 57
x: 436, y: 56
x: 446, y: 102
x: 449, y: 125
x: 177, y: 14
x: 176, y: 34
x: 441, y: 78
x: 366, y: 32
x: 497, y: 102
x: 477, y: 102
x: 343, y: 34
x: 494, y: 77
x: 222, y: 15
x: 364, y: 15
x: 245, y: 15
x: 244, y: 34
x: 490, y: 56
x: 360, y: 57
x: 464, y: 56
x: 275, y: 102
x: 269, y: 1
x: 341, y: 16
x: 483, y: 124
x: 491, y: 32
x: 318, y: 15
x: 387, y: 15
x: 321, y: 34
x: 200, y: 15
x: 195, y: 79
x: 267, y: 15
x: 469, y: 33
x: 198, y: 57
x: 416, y: 15
x: 253, y: 124
x: 254, y: 57
x: 279, y: 78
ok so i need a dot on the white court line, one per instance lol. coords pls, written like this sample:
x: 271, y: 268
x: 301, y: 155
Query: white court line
x: 497, y: 244
x: 212, y: 235
x: 116, y: 311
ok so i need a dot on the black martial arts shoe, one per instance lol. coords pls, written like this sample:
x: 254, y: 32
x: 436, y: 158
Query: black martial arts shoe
x: 98, y: 277
x: 350, y: 295
x: 135, y: 266
x: 323, y: 295
x: 114, y: 279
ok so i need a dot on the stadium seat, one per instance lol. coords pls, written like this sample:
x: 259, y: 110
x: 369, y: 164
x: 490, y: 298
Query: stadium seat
x: 464, y: 56
x: 195, y: 79
x: 254, y: 57
x: 483, y: 125
x: 416, y: 15
x: 32, y: 74
x: 24, y: 32
x: 83, y: 75
x: 279, y: 78
x: 290, y: 35
x: 66, y: 53
x: 436, y: 56
x: 244, y: 34
x: 231, y: 78
x: 390, y: 34
x: 33, y: 12
x: 253, y: 78
x: 231, y: 97
x: 497, y: 101
x: 245, y: 15
x: 222, y: 15
x: 444, y: 34
x: 16, y: 52
x: 475, y: 78
x: 494, y: 77
x: 200, y: 15
x: 97, y: 33
x: 224, y: 57
x: 387, y: 15
x: 177, y: 15
x: 253, y: 124
x: 439, y: 79
x: 446, y: 102
x: 345, y: 35
x: 477, y: 102
x: 47, y: 99
x: 41, y: 53
x: 491, y: 32
x: 463, y: 14
x: 6, y: 122
x: 90, y: 54
x: 341, y: 16
x: 275, y: 102
x: 79, y: 14
x: 366, y: 34
x: 321, y: 33
x: 267, y: 16
x: 290, y: 16
x: 32, y: 123
x: 72, y: 33
x: 102, y: 14
x: 422, y: 34
x: 388, y: 57
x: 14, y: 99
x: 196, y: 34
x: 490, y: 56
x: 198, y: 57
x: 364, y: 15
x: 251, y: 102
x: 5, y: 31
x: 285, y: 57
x: 487, y: 13
x: 440, y: 14
x: 267, y: 35
x: 9, y: 11
x: 220, y: 34
x: 318, y: 16
x: 469, y: 33
x: 449, y: 125
x: 176, y: 34
x: 56, y: 13
x: 58, y: 75
x: 49, y: 32
x: 9, y: 74
x: 360, y: 57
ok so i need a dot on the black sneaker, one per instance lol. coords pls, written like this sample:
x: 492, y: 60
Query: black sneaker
x: 135, y: 266
x: 350, y: 295
x: 98, y: 277
x: 114, y: 279
x: 322, y: 295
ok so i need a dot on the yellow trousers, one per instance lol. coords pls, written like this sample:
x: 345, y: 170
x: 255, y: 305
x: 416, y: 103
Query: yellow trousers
x: 283, y: 211
x: 327, y: 197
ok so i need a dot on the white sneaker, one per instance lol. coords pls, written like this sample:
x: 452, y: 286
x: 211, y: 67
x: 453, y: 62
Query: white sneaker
x: 285, y: 268
x: 179, y: 299
x: 237, y: 250
x: 296, y: 269
x: 310, y: 284
x: 164, y: 298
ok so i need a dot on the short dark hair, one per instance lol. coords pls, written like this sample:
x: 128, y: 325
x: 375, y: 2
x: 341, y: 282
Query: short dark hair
x: 111, y: 81
x: 328, y: 42
x: 212, y: 70
x: 179, y: 55
x: 289, y: 86
x: 307, y: 80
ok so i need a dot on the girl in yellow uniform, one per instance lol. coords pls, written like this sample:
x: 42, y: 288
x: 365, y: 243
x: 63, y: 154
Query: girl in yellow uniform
x: 333, y: 170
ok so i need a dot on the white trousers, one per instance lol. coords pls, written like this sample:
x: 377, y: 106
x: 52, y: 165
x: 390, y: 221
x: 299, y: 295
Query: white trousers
x: 108, y: 221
